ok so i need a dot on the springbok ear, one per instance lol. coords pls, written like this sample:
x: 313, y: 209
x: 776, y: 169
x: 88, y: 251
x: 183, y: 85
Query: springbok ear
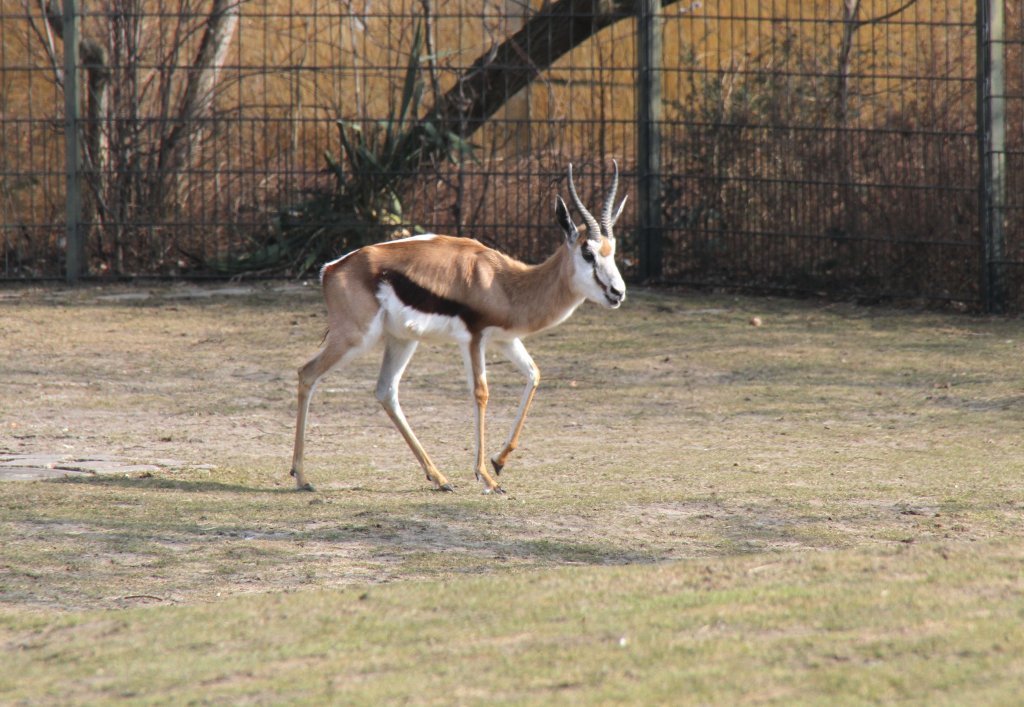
x: 565, y: 221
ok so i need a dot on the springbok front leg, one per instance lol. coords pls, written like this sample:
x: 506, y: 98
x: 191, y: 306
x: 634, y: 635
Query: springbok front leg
x: 517, y: 354
x: 473, y: 356
x: 397, y: 353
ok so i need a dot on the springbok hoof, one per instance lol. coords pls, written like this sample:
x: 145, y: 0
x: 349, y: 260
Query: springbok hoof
x: 447, y: 488
x: 497, y: 467
x: 496, y: 490
x: 301, y: 487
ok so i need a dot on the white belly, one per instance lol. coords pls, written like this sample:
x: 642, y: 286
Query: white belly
x: 404, y: 322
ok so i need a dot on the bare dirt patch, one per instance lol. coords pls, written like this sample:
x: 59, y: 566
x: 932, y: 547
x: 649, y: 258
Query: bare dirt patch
x: 669, y: 430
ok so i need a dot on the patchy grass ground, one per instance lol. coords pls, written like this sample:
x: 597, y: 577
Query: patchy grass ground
x: 826, y: 506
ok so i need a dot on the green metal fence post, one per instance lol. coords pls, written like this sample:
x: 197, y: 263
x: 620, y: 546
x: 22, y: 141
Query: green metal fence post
x: 74, y: 243
x: 649, y: 47
x: 992, y: 152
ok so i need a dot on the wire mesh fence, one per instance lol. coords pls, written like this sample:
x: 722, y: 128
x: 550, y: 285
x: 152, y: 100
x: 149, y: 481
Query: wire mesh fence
x: 807, y: 146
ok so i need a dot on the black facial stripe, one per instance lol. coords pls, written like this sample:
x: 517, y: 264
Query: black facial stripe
x: 423, y: 300
x: 607, y: 289
x: 587, y: 253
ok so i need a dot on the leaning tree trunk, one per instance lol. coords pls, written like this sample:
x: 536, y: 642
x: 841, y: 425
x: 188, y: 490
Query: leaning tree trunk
x: 507, y: 68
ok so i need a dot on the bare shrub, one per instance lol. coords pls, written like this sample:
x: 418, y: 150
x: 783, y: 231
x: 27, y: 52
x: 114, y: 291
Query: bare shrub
x: 770, y: 185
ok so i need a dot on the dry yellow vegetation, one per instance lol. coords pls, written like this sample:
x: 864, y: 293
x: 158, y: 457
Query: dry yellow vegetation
x: 294, y: 68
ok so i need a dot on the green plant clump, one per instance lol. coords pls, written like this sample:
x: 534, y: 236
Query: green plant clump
x: 364, y: 205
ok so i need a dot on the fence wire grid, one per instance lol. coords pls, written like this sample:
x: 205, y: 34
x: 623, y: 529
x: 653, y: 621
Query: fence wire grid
x: 837, y: 147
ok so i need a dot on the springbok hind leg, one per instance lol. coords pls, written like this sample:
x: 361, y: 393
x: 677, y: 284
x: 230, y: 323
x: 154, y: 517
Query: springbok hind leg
x: 333, y: 353
x: 517, y: 354
x: 397, y: 354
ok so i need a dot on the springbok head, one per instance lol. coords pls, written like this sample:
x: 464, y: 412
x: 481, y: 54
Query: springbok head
x: 596, y: 276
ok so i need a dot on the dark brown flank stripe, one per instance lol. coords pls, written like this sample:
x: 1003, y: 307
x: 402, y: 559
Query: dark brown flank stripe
x: 423, y: 300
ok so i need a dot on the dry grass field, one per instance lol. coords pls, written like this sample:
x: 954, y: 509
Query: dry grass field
x: 823, y: 508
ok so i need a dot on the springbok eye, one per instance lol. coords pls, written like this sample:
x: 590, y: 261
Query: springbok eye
x: 587, y: 253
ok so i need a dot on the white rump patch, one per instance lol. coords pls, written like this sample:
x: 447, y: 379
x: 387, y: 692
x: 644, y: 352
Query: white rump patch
x: 421, y: 237
x: 333, y: 263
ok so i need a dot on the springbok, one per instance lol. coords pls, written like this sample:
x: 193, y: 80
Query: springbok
x: 441, y: 288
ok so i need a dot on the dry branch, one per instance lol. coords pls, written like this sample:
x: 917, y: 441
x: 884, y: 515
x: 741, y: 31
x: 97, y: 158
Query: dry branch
x: 199, y: 88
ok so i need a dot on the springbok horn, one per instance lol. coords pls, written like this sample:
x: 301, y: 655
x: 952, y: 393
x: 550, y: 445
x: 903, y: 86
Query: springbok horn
x: 610, y: 222
x: 593, y: 230
x: 606, y: 211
